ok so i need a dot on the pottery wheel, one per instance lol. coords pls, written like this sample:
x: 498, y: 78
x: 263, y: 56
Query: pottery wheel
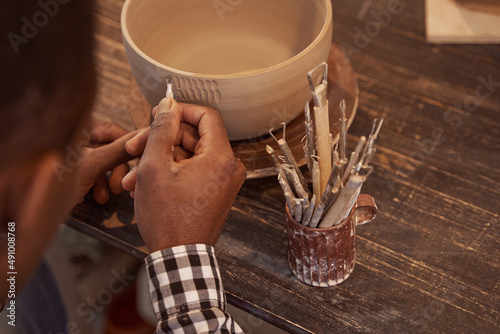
x: 342, y: 84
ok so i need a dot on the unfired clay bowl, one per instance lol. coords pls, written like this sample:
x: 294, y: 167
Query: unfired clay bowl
x: 247, y: 58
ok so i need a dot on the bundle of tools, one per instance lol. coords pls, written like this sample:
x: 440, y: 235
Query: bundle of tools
x: 336, y: 178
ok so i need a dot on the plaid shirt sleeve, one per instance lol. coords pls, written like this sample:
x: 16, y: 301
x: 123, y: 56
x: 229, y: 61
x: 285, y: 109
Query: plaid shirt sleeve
x: 187, y: 293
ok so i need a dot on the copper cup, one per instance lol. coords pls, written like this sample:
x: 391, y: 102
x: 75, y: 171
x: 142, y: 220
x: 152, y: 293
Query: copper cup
x: 326, y: 257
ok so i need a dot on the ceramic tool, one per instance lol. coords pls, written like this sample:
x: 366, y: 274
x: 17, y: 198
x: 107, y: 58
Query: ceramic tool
x: 316, y: 178
x: 299, y: 209
x: 336, y: 183
x: 333, y: 188
x: 343, y: 135
x: 322, y: 125
x: 310, y: 141
x: 290, y: 160
x: 368, y: 154
x: 354, y: 159
x: 307, y: 153
x: 317, y: 215
x: 288, y: 193
x: 308, y: 212
x: 170, y: 92
x: 272, y: 153
x: 343, y: 205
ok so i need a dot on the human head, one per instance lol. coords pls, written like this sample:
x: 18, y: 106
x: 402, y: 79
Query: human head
x: 47, y: 85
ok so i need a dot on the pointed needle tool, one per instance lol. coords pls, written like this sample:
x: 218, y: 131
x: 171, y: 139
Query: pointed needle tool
x: 290, y: 159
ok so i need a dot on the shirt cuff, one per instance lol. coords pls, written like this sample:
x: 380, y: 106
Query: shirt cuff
x: 183, y: 279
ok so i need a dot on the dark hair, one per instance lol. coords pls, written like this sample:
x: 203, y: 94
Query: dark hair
x: 47, y: 79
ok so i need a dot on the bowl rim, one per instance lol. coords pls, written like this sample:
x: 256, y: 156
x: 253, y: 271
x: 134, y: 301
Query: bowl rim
x: 133, y: 45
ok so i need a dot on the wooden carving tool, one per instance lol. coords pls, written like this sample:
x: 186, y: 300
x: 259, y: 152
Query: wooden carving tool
x: 290, y: 160
x: 345, y: 201
x: 322, y: 125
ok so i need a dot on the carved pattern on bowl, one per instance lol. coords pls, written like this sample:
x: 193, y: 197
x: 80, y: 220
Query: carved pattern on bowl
x: 197, y: 90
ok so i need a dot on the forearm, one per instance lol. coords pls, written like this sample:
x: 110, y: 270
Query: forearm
x: 187, y: 292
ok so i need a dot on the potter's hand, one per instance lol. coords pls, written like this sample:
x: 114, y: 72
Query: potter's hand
x: 107, y: 154
x: 187, y: 177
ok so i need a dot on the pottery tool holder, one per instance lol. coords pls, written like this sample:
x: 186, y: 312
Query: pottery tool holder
x: 336, y: 180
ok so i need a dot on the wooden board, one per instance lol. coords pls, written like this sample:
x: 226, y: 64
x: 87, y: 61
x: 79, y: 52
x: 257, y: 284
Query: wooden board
x: 487, y: 6
x: 342, y: 84
x: 449, y: 21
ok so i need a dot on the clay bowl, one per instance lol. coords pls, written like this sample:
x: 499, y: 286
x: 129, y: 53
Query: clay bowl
x: 249, y: 59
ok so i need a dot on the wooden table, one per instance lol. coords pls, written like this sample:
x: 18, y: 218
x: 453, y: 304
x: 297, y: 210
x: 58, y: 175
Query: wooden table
x: 430, y: 262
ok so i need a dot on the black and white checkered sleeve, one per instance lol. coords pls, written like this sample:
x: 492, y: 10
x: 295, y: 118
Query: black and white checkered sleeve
x: 187, y: 293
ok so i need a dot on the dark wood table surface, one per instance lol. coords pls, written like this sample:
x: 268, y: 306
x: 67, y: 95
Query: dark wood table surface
x: 430, y: 262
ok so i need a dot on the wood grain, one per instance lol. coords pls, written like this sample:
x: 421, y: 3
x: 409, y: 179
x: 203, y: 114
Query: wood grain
x: 430, y: 262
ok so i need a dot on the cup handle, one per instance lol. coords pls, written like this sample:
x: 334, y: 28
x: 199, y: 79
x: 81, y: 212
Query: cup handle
x: 366, y: 209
